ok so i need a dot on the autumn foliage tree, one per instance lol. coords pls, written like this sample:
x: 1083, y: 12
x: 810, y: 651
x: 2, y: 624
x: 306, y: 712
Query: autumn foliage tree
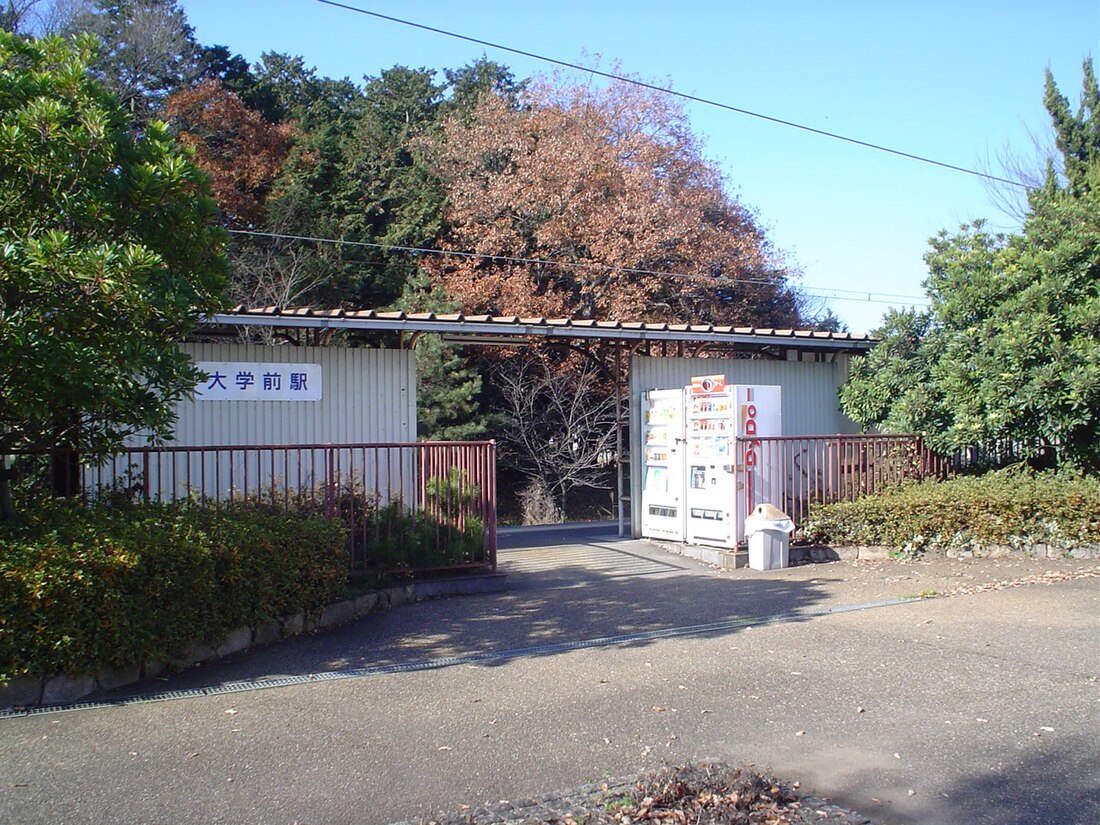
x: 611, y: 182
x: 240, y: 151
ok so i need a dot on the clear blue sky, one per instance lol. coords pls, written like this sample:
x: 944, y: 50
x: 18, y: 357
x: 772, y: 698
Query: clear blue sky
x: 955, y: 81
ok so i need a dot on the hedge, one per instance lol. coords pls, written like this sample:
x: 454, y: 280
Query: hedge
x: 86, y: 586
x: 1009, y: 508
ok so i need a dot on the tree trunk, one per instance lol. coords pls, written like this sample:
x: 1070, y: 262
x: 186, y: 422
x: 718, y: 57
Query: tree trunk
x: 561, y: 491
x: 7, y: 507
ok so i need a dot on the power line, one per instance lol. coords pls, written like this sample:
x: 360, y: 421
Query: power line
x: 683, y: 95
x: 512, y: 259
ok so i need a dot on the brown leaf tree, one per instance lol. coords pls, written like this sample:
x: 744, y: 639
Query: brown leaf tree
x: 240, y: 151
x: 612, y: 182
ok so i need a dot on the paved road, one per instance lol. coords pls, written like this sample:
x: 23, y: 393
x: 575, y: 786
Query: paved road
x: 976, y: 708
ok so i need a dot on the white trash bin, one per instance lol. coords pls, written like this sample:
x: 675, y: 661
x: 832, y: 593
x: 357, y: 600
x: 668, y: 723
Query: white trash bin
x: 769, y: 533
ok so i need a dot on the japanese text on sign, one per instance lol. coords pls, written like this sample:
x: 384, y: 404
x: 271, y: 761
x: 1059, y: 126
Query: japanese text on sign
x: 253, y: 381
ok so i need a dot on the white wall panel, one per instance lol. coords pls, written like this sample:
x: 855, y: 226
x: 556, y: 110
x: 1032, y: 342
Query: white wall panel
x: 369, y: 395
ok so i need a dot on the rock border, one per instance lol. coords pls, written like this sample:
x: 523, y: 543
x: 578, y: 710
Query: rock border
x: 730, y: 559
x: 862, y: 552
x: 66, y: 688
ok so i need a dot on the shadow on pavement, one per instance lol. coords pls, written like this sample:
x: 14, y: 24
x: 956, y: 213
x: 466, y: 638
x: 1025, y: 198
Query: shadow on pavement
x: 564, y: 594
x: 1049, y: 785
x: 555, y: 535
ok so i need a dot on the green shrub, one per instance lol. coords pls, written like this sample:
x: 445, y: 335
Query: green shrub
x: 82, y: 586
x: 1013, y: 508
x: 393, y: 539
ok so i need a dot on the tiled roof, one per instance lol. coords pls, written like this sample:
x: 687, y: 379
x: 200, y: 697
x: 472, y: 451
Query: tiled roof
x: 533, y: 326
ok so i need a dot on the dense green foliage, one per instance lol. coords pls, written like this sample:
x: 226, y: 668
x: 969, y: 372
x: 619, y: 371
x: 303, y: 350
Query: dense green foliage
x: 449, y: 385
x: 398, y: 543
x: 85, y: 586
x: 1008, y: 354
x: 1009, y: 508
x: 109, y: 253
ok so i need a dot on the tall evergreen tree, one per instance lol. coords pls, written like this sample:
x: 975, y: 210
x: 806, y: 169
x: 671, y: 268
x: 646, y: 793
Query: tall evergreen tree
x: 1009, y: 351
x: 388, y: 194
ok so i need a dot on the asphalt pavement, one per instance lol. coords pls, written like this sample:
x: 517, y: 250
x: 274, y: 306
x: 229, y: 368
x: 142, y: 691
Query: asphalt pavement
x: 603, y: 658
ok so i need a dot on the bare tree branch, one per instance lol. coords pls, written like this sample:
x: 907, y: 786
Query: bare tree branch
x: 560, y: 423
x: 273, y: 271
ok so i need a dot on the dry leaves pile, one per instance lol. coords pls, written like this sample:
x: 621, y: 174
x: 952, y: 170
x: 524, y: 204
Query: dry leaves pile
x: 1046, y: 577
x: 706, y: 793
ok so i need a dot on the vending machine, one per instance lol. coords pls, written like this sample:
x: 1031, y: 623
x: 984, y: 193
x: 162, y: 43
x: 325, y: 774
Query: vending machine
x: 759, y: 413
x: 711, y: 471
x: 663, y: 464
x: 702, y: 470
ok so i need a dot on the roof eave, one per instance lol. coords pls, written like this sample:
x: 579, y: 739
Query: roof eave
x: 521, y: 328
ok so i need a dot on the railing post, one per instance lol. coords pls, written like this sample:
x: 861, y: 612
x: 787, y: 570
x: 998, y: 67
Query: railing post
x: 330, y: 472
x: 491, y: 503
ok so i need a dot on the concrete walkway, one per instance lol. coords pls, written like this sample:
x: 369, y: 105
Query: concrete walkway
x: 605, y: 657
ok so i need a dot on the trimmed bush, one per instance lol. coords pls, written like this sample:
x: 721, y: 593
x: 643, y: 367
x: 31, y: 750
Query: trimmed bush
x: 1013, y: 508
x: 85, y: 586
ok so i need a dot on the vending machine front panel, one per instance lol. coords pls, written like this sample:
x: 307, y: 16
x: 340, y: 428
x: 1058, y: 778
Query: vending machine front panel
x: 711, y: 480
x: 759, y: 414
x: 663, y: 464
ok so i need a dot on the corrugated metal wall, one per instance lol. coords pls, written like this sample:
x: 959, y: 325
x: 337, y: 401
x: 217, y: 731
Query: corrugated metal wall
x: 369, y: 395
x: 810, y: 405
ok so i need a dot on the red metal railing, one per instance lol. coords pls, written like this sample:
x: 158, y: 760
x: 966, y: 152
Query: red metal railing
x: 412, y: 506
x: 794, y: 472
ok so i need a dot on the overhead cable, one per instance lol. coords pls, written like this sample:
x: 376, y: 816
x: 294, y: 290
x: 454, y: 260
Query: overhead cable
x: 513, y: 259
x: 683, y: 95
